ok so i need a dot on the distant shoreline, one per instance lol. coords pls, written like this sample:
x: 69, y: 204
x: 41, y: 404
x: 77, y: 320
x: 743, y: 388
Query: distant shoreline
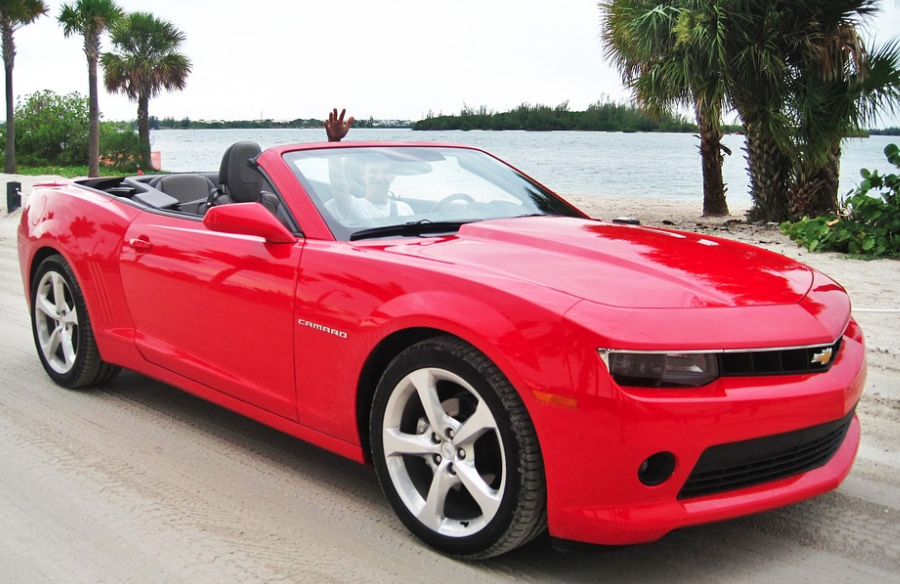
x: 378, y: 125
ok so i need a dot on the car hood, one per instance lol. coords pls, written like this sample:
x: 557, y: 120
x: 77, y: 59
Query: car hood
x: 621, y: 265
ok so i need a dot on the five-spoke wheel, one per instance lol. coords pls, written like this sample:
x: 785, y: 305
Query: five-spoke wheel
x: 62, y: 329
x: 456, y: 452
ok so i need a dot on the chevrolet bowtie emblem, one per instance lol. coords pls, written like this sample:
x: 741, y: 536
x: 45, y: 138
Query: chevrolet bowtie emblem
x: 823, y: 358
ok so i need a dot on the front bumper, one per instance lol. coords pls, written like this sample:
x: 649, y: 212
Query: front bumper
x: 592, y: 452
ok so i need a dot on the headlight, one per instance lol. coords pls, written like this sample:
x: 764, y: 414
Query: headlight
x: 661, y: 369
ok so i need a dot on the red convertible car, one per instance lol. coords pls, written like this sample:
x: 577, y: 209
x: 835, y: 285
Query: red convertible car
x: 507, y: 364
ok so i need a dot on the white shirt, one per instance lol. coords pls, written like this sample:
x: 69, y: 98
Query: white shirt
x: 363, y: 209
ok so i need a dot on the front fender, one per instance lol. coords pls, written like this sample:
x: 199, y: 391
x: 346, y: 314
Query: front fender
x: 527, y: 350
x: 339, y: 328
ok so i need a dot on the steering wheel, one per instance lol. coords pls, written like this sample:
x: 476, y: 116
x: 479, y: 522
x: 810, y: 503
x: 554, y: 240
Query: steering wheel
x: 449, y: 199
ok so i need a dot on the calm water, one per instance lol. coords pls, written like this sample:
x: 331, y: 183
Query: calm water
x: 571, y: 163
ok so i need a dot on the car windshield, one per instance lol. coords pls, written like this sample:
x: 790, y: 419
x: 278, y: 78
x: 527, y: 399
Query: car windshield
x: 415, y: 190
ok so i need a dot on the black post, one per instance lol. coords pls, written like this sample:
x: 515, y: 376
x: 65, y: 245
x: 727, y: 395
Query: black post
x: 13, y: 196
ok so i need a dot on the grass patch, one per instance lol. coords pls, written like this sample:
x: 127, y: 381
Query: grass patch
x: 65, y: 171
x: 73, y: 171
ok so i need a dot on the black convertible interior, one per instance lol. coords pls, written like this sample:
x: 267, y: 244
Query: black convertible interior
x: 238, y: 181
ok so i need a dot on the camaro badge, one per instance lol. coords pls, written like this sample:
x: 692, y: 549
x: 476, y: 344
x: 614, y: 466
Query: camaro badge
x: 823, y: 358
x: 323, y: 328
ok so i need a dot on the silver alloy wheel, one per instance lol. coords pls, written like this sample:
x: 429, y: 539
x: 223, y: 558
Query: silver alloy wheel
x: 444, y: 452
x: 56, y: 322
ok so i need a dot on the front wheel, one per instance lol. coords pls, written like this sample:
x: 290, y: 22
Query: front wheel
x: 456, y: 452
x: 62, y: 328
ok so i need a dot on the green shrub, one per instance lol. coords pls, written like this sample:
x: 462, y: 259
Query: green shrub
x: 52, y: 129
x: 120, y: 150
x: 867, y: 227
x: 52, y: 133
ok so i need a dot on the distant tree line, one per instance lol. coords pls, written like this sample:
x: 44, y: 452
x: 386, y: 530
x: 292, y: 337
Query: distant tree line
x: 189, y: 124
x: 170, y: 123
x: 885, y: 132
x: 601, y: 116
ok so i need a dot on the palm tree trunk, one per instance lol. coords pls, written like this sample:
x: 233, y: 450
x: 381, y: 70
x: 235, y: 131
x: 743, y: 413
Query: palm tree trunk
x: 9, y: 57
x: 92, y: 50
x: 93, y: 121
x: 711, y: 159
x: 144, y: 128
x: 825, y: 198
x: 831, y: 174
x: 814, y: 188
x: 769, y: 175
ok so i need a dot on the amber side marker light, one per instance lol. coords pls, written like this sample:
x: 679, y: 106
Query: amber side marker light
x: 555, y: 400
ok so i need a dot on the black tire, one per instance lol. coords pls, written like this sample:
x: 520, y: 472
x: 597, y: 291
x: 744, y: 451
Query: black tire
x: 474, y: 486
x: 62, y: 329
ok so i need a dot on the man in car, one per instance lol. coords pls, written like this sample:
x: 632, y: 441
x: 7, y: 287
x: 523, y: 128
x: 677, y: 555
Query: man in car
x: 376, y: 178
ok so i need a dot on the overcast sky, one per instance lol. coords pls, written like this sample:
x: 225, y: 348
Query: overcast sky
x: 388, y: 59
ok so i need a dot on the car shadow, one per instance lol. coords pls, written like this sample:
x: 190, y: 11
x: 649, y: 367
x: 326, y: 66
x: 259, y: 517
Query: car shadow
x: 312, y: 462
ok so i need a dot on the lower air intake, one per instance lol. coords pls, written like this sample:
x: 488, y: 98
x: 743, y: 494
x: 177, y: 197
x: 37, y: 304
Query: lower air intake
x: 738, y: 465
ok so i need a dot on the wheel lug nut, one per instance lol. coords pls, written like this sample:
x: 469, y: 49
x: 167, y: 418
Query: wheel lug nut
x: 437, y: 459
x: 461, y: 454
x: 450, y: 433
x: 450, y: 469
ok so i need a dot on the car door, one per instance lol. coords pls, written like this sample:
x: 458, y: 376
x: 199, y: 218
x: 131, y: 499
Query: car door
x: 214, y: 307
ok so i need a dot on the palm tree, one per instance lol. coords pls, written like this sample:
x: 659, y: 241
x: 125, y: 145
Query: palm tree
x: 802, y: 80
x: 841, y: 86
x: 144, y: 62
x: 672, y: 54
x: 757, y: 73
x: 90, y: 18
x: 14, y: 14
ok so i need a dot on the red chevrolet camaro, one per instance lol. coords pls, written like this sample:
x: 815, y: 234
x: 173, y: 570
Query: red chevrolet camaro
x: 507, y: 364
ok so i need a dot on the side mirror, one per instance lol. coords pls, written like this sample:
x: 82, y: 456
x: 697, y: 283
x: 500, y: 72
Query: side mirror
x: 247, y: 219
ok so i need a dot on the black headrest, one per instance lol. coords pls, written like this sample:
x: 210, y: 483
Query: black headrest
x: 241, y: 181
x: 184, y: 187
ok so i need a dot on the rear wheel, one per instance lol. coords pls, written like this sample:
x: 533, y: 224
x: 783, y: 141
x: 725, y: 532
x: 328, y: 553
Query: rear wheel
x: 456, y: 452
x: 62, y: 328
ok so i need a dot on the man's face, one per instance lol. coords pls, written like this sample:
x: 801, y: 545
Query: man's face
x: 378, y: 179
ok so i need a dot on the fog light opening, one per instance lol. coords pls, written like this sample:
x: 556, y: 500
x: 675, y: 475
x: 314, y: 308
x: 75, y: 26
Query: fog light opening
x: 657, y: 469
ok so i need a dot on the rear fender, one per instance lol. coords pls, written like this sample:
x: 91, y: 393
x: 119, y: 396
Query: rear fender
x: 86, y: 229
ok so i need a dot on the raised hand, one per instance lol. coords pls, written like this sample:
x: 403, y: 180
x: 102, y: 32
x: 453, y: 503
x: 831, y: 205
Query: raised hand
x: 335, y: 126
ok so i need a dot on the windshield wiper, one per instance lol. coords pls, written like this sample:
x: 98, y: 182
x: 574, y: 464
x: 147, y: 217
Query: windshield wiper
x: 411, y: 228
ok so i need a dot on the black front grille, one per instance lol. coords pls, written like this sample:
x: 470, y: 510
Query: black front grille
x: 779, y: 362
x: 743, y: 464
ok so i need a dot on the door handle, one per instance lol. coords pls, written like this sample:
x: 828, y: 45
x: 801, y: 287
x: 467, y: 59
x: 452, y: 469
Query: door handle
x: 140, y: 245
